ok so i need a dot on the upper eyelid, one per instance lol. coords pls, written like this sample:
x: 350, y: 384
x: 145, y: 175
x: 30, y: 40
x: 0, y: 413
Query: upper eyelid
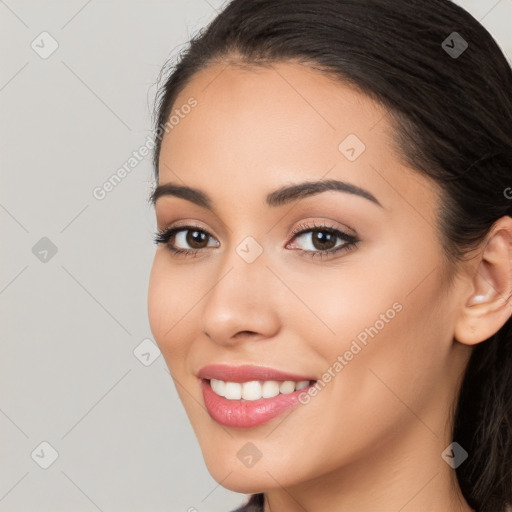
x: 323, y: 224
x: 314, y: 224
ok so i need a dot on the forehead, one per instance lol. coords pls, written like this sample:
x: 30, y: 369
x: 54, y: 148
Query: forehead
x: 253, y: 129
x: 284, y: 100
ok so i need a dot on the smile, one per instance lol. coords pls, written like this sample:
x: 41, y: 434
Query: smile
x: 254, y: 389
x: 247, y: 396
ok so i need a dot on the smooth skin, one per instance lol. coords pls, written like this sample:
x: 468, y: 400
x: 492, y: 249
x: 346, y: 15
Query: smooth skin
x: 372, y: 439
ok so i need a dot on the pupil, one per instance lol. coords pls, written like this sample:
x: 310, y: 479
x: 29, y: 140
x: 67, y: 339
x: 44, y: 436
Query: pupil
x: 322, y: 238
x: 195, y: 238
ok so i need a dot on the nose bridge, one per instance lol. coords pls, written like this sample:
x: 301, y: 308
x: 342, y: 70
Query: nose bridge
x: 239, y: 299
x: 245, y: 262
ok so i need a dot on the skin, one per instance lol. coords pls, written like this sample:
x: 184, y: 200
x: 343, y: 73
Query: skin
x: 372, y: 439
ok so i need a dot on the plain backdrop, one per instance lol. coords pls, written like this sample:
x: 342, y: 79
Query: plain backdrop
x: 89, y: 416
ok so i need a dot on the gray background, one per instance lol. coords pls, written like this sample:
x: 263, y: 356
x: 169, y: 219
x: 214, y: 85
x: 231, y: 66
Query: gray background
x: 71, y: 321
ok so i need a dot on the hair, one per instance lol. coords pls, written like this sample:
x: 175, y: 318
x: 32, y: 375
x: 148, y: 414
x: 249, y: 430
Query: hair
x: 451, y: 119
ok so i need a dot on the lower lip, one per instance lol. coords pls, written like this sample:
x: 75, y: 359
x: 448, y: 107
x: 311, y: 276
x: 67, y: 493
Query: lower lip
x: 246, y: 413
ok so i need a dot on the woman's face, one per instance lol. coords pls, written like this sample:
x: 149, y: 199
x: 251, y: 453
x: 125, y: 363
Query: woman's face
x: 357, y: 301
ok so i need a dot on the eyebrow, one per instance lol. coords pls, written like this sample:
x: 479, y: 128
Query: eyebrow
x: 279, y: 197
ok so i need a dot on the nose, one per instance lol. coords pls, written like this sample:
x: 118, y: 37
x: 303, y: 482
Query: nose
x: 242, y: 303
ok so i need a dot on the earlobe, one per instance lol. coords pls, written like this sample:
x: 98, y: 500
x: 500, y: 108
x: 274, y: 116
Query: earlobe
x: 487, y: 305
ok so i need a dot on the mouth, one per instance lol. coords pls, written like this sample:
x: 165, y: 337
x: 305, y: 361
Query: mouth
x: 251, y: 403
x: 248, y: 395
x: 256, y: 389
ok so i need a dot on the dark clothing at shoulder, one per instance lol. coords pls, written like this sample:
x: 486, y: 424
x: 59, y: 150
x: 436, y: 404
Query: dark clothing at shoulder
x: 255, y: 504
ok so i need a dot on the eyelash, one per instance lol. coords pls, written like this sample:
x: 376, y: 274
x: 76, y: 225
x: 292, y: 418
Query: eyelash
x: 164, y: 236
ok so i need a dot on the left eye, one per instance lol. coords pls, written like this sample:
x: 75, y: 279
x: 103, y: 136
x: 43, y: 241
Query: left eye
x: 322, y: 240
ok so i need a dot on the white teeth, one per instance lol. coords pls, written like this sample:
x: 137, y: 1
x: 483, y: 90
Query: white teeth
x: 270, y: 389
x: 251, y: 390
x: 218, y: 386
x: 254, y: 389
x: 233, y: 390
x: 288, y: 386
x: 301, y: 385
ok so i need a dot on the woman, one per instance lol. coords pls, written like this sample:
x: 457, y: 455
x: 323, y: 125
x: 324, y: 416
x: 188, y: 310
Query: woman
x: 331, y: 286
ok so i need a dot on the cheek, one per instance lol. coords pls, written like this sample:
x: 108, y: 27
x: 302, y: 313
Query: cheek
x: 394, y: 344
x: 169, y: 300
x: 387, y: 319
x: 388, y: 361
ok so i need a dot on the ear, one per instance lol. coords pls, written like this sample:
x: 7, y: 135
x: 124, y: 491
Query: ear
x: 487, y: 305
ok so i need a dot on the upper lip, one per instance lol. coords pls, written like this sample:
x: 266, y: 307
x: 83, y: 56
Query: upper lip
x: 246, y: 373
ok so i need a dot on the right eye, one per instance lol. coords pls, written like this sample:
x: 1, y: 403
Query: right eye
x: 192, y: 236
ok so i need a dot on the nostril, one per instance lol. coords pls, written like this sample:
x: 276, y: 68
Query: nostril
x: 243, y: 333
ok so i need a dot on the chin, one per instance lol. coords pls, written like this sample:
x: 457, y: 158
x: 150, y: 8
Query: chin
x: 243, y: 481
x: 262, y: 476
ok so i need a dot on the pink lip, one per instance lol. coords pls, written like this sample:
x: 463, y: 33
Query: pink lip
x: 246, y: 373
x: 246, y: 413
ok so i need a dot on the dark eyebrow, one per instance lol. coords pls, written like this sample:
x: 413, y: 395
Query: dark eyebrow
x: 279, y: 197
